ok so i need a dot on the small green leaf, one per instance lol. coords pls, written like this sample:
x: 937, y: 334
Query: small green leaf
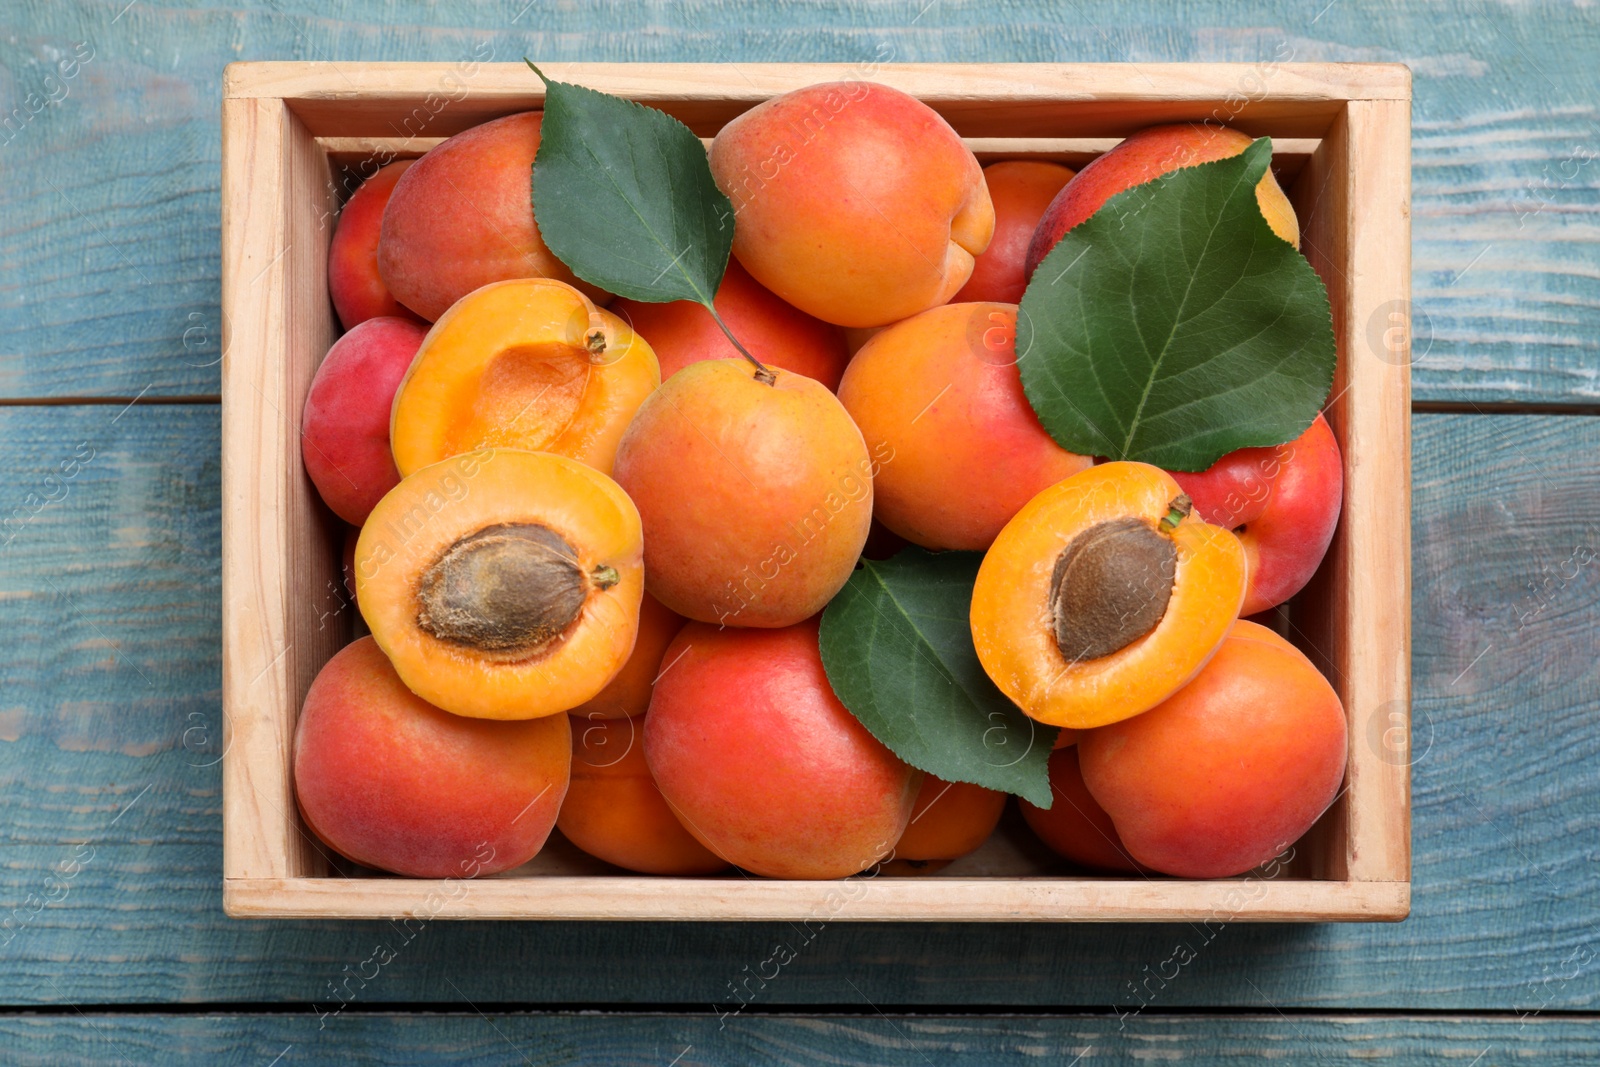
x: 897, y: 646
x: 1173, y: 326
x: 623, y: 196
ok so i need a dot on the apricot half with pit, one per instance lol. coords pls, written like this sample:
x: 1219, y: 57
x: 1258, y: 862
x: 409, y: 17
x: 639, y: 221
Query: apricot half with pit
x: 1103, y: 596
x: 503, y: 584
x: 529, y: 364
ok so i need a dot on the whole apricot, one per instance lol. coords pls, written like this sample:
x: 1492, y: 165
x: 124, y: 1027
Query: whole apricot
x: 390, y: 781
x: 1075, y: 825
x: 756, y: 496
x: 1143, y: 157
x: 462, y: 217
x: 1103, y: 596
x: 344, y: 429
x: 1228, y: 771
x: 357, y: 289
x: 1021, y: 190
x: 948, y: 820
x: 628, y: 694
x: 503, y: 584
x: 940, y: 393
x: 1282, y: 503
x: 855, y: 202
x: 613, y: 809
x: 763, y: 764
x: 682, y: 332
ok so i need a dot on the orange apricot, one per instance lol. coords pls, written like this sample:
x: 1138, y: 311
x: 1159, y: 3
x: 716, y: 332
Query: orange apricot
x: 628, y: 694
x: 1231, y: 769
x: 1075, y: 825
x: 354, y: 283
x: 1103, y: 596
x: 756, y: 496
x: 948, y: 820
x: 613, y: 809
x: 528, y: 364
x: 682, y: 332
x: 940, y: 393
x: 503, y: 584
x: 1021, y: 190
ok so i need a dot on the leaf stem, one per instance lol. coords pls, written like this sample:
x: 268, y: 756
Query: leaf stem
x: 764, y: 373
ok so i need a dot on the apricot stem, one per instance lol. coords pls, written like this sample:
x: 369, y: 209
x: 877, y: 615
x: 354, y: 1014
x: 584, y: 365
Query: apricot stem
x: 764, y: 373
x: 1177, y: 511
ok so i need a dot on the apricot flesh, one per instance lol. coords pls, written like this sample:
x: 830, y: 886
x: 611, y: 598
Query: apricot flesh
x: 939, y: 397
x: 756, y: 498
x: 1018, y: 600
x: 462, y: 217
x: 614, y: 811
x: 1021, y: 190
x: 354, y: 284
x: 390, y: 781
x: 529, y: 364
x: 503, y: 584
x: 763, y: 764
x: 1230, y: 770
x: 855, y: 202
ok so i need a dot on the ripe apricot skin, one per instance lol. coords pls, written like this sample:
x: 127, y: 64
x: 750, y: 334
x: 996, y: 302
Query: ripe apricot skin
x: 1011, y: 616
x: 628, y: 694
x: 1021, y: 190
x: 1282, y: 503
x: 1230, y: 770
x: 756, y: 499
x: 390, y: 781
x: 940, y: 391
x: 949, y: 820
x: 1075, y: 825
x: 413, y: 527
x: 763, y: 764
x: 854, y: 202
x: 511, y: 365
x: 354, y: 283
x: 682, y: 332
x: 344, y: 434
x: 1143, y: 157
x: 462, y: 217
x: 613, y: 809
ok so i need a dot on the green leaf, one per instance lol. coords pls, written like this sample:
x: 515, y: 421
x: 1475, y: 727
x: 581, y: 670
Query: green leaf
x: 1173, y: 326
x: 897, y: 646
x: 623, y: 196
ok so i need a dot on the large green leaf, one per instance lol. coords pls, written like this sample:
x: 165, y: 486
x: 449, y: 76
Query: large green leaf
x: 1173, y: 326
x: 623, y: 196
x: 897, y: 646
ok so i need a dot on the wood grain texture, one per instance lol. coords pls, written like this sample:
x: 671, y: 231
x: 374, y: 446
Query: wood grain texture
x: 109, y: 241
x: 113, y: 686
x: 495, y: 1037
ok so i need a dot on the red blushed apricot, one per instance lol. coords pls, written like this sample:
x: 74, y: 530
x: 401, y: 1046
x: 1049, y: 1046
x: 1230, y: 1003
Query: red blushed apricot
x: 529, y: 364
x: 1021, y: 190
x: 390, y: 781
x: 1282, y: 503
x: 628, y: 694
x: 949, y: 820
x: 1103, y: 597
x: 762, y: 763
x: 939, y: 396
x: 854, y: 202
x: 614, y: 811
x: 1075, y: 825
x: 503, y: 584
x: 1230, y: 770
x: 344, y: 430
x: 462, y: 217
x: 354, y: 283
x: 682, y: 332
x: 1143, y: 157
x: 756, y: 498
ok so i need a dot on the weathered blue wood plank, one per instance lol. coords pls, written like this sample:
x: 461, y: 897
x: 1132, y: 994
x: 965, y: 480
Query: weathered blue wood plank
x: 489, y: 1038
x: 109, y: 203
x: 109, y: 793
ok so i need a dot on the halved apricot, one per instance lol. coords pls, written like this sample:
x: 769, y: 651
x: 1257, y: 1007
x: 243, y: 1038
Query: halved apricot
x: 529, y: 364
x: 503, y: 584
x: 1103, y: 596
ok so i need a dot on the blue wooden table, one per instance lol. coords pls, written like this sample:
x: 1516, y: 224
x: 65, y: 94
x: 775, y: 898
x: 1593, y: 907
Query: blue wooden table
x: 113, y: 945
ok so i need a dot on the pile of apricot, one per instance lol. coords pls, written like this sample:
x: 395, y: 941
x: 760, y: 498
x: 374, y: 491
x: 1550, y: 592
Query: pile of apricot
x: 595, y: 539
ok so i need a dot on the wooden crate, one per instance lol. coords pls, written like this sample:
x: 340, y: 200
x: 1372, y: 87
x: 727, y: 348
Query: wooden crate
x: 290, y: 133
